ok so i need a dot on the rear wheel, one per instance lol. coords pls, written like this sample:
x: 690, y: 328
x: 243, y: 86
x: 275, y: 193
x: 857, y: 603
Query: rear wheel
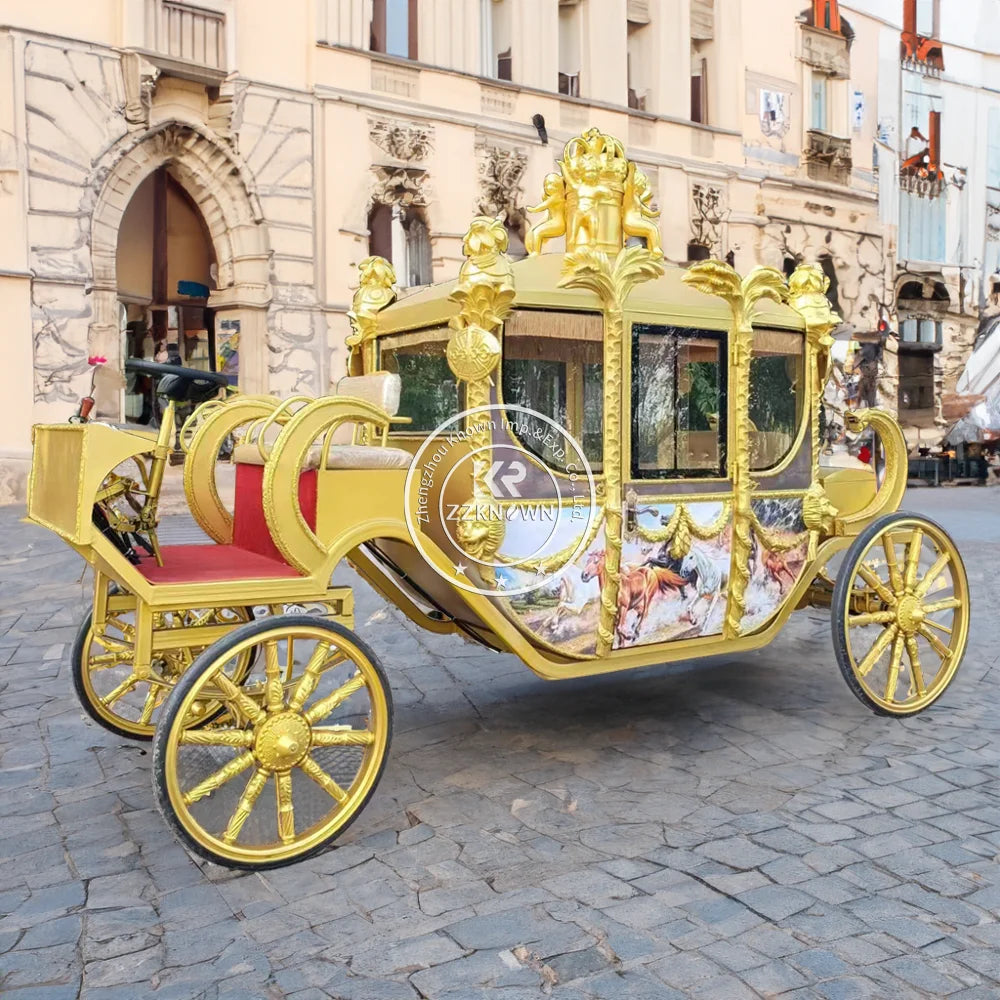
x: 900, y: 614
x: 292, y: 760
x: 111, y: 691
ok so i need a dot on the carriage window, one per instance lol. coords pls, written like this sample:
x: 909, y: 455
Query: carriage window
x: 430, y: 393
x: 776, y: 395
x: 678, y: 402
x: 553, y: 364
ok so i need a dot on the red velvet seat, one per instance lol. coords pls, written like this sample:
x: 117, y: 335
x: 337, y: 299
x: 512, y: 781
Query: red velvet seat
x: 252, y: 555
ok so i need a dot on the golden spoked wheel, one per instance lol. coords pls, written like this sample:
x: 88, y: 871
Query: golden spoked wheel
x: 900, y: 614
x: 114, y: 694
x: 292, y: 760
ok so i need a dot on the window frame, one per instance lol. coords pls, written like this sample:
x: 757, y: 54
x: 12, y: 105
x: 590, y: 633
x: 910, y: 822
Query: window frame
x: 721, y: 472
x: 574, y: 378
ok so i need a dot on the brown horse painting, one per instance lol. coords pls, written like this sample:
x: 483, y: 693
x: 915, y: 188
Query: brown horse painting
x: 636, y: 591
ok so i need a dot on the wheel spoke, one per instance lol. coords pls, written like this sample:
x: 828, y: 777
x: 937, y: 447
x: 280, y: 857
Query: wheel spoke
x: 152, y: 700
x: 941, y: 628
x: 875, y: 653
x: 894, y: 661
x: 239, y: 738
x: 232, y: 693
x: 333, y: 737
x: 939, y: 647
x: 216, y: 780
x: 895, y: 577
x: 104, y: 661
x: 875, y: 618
x: 310, y: 677
x: 274, y: 690
x: 326, y: 705
x: 119, y: 692
x: 944, y: 605
x: 245, y: 806
x: 877, y: 584
x: 913, y: 558
x: 916, y: 673
x: 312, y: 770
x: 286, y: 811
x: 932, y: 574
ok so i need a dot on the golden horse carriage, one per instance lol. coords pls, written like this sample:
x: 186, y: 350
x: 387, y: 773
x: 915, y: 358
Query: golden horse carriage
x: 586, y: 458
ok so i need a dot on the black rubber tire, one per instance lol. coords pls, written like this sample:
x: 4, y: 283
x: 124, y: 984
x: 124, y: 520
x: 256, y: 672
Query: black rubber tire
x: 187, y: 681
x: 76, y: 672
x: 838, y: 608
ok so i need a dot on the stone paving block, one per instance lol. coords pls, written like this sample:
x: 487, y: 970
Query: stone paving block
x: 922, y: 975
x: 776, y: 902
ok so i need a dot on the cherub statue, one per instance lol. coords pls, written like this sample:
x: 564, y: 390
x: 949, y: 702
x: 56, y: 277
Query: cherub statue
x: 555, y: 204
x: 585, y: 176
x: 376, y: 289
x: 637, y: 211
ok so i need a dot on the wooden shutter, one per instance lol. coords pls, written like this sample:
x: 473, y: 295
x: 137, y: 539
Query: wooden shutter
x: 412, y: 28
x: 377, y: 43
x: 380, y: 232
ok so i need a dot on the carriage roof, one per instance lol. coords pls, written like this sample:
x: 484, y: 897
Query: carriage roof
x: 536, y: 284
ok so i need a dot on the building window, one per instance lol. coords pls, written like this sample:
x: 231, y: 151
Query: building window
x: 400, y: 235
x: 699, y: 88
x: 497, y: 50
x: 926, y: 25
x: 394, y: 28
x: 916, y: 381
x: 826, y: 14
x: 915, y: 330
x: 820, y: 102
x: 640, y: 57
x: 570, y: 50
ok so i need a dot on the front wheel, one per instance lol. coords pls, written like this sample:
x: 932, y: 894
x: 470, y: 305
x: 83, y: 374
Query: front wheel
x: 317, y: 728
x: 900, y: 614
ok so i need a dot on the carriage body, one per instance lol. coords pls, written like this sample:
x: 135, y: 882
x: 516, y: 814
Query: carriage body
x: 685, y: 511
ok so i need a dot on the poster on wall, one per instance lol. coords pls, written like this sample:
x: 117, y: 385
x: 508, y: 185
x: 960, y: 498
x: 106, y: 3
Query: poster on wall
x: 857, y: 110
x: 227, y: 349
x: 774, y: 117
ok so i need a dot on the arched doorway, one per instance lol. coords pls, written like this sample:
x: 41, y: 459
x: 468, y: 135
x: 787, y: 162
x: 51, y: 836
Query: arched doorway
x: 206, y: 197
x: 165, y: 271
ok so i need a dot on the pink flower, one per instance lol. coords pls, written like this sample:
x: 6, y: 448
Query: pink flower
x: 96, y: 359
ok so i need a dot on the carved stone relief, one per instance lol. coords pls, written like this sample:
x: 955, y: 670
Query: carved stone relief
x: 709, y: 211
x: 403, y: 141
x: 501, y: 172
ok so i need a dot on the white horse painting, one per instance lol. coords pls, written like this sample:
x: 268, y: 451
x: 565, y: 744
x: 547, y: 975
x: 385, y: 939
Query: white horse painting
x: 710, y: 577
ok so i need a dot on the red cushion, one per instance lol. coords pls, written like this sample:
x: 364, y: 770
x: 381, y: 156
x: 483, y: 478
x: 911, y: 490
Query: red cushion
x: 211, y: 563
x: 250, y: 529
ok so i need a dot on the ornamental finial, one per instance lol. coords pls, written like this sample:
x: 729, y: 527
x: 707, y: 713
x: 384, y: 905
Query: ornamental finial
x: 598, y: 199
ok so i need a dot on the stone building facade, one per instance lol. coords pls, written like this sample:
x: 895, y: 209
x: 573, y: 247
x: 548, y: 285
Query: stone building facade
x: 299, y: 143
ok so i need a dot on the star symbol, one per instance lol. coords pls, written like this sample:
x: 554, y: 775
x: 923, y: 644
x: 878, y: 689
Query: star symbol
x: 501, y: 584
x: 459, y: 569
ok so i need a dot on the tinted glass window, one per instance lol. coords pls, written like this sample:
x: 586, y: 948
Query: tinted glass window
x: 430, y: 393
x: 777, y: 395
x: 678, y: 402
x: 553, y: 364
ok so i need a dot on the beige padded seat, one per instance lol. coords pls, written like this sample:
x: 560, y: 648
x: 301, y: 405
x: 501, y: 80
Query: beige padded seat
x: 382, y: 389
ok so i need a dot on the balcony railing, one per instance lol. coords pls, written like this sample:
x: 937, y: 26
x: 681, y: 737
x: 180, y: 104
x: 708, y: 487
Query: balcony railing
x: 186, y: 34
x: 828, y: 157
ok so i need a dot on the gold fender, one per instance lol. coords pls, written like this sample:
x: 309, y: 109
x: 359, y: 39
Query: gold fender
x: 889, y: 495
x: 292, y: 535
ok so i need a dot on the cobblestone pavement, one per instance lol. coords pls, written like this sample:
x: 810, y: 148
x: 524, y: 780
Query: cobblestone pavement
x: 739, y: 828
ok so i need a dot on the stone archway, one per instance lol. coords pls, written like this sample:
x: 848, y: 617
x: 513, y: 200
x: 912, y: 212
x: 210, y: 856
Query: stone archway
x: 217, y: 182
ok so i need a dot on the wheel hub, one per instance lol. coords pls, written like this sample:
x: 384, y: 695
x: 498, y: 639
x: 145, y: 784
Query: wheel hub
x: 909, y: 614
x: 282, y: 740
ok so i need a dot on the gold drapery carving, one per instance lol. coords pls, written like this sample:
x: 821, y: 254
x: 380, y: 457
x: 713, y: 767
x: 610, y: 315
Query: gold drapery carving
x: 715, y: 278
x: 682, y: 527
x: 612, y: 281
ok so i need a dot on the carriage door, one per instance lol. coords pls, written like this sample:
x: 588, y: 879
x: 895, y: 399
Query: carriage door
x: 677, y: 527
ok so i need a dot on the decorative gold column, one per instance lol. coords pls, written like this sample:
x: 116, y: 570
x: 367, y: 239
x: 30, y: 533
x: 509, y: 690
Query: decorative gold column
x: 715, y: 278
x: 485, y: 294
x: 376, y: 290
x: 807, y: 296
